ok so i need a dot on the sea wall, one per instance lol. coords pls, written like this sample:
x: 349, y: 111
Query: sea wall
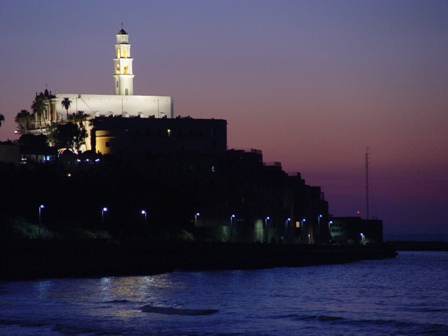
x: 420, y: 245
x: 31, y: 259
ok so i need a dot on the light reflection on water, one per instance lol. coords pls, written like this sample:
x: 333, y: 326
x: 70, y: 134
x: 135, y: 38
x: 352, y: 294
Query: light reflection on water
x: 405, y: 295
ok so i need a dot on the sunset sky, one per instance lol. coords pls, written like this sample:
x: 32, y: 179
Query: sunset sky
x: 310, y: 83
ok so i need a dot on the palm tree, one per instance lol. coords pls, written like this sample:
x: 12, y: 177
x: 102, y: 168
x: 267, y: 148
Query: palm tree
x: 66, y: 104
x: 23, y: 119
x: 2, y: 119
x: 79, y: 118
x: 38, y: 107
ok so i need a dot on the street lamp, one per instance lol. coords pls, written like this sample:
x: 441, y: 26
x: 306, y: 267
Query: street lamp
x: 196, y: 218
x: 318, y: 228
x: 303, y: 230
x: 40, y: 213
x: 266, y: 227
x: 231, y: 219
x: 40, y: 216
x: 102, y: 215
x: 144, y: 214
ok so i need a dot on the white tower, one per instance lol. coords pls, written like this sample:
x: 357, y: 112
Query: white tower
x: 123, y: 77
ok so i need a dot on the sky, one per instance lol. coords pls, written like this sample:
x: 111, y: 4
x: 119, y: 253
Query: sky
x: 310, y: 83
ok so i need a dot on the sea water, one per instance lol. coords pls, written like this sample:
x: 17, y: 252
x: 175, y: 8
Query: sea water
x: 407, y: 295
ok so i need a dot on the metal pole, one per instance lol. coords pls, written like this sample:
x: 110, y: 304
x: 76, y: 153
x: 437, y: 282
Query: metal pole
x: 196, y: 218
x: 40, y: 216
x: 102, y: 216
x: 144, y: 213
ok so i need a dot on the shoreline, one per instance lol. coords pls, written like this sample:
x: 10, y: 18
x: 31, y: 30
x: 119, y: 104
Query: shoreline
x: 413, y: 245
x: 36, y: 259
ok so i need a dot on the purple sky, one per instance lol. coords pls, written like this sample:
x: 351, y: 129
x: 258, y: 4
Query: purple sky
x: 310, y: 83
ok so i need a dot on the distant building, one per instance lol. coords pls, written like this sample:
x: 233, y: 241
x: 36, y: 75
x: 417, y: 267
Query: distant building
x: 229, y: 195
x: 123, y: 103
x: 136, y: 138
x: 237, y: 196
x: 355, y: 230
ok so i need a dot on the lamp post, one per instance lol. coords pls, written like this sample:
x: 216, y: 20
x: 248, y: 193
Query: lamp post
x: 266, y: 227
x: 303, y: 230
x: 103, y: 210
x: 288, y: 228
x: 231, y: 219
x: 40, y: 216
x: 196, y: 218
x: 40, y: 213
x: 318, y: 228
x: 144, y: 214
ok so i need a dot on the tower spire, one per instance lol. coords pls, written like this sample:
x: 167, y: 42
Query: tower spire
x: 123, y: 76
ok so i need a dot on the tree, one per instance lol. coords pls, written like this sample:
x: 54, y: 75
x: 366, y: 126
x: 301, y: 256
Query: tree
x: 24, y: 120
x: 38, y: 107
x: 30, y: 140
x: 78, y: 118
x: 2, y: 119
x: 69, y: 136
x: 66, y: 104
x: 51, y: 133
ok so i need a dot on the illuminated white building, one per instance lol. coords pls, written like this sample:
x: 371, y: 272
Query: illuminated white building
x: 123, y: 102
x: 94, y: 105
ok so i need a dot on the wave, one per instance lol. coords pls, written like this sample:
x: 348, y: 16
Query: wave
x: 117, y: 301
x: 413, y: 328
x: 177, y: 311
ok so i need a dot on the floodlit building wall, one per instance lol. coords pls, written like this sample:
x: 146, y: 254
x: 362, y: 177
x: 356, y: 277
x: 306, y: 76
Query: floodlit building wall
x: 116, y: 105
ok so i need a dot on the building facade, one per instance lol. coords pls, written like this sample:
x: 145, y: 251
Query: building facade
x: 122, y: 103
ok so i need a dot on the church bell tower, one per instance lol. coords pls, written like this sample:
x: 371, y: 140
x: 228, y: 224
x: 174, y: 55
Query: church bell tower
x: 123, y: 76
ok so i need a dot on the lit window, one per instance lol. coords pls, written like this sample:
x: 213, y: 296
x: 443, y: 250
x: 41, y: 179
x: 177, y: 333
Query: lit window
x: 297, y: 224
x: 126, y: 70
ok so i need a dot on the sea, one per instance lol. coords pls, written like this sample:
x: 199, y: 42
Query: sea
x: 406, y: 295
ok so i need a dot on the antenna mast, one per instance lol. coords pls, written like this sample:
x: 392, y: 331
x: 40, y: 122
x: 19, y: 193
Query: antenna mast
x: 367, y: 182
